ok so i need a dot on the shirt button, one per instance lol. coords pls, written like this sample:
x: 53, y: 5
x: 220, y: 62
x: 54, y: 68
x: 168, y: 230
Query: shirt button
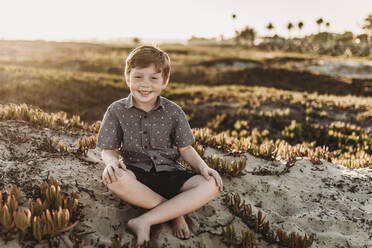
x: 145, y: 147
x: 145, y: 116
x: 154, y: 157
x: 145, y: 132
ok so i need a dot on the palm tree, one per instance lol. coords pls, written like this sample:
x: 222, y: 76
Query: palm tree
x: 233, y: 16
x: 270, y: 27
x: 368, y: 25
x: 327, y: 25
x: 319, y: 22
x: 300, y: 25
x: 289, y: 27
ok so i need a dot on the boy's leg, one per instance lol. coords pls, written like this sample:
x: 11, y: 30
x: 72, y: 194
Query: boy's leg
x: 129, y: 189
x: 195, y: 193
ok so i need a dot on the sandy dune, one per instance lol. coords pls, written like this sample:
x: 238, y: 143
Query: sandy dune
x: 329, y: 201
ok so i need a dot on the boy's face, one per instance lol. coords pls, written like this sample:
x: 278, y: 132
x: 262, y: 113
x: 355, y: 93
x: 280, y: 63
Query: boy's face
x: 146, y: 84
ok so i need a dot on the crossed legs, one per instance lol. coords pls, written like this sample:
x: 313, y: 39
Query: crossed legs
x: 194, y: 193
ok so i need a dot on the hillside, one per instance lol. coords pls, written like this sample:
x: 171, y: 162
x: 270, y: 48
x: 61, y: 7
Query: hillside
x: 298, y: 127
x: 331, y: 202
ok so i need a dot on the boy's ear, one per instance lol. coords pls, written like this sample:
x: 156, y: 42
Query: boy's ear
x: 127, y: 82
x: 165, y: 83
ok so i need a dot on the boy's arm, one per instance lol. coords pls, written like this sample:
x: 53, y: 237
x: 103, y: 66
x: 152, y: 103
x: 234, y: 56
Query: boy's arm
x: 189, y: 154
x: 110, y: 156
x: 112, y: 171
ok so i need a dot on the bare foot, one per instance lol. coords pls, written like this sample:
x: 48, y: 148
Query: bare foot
x: 141, y: 229
x: 180, y: 228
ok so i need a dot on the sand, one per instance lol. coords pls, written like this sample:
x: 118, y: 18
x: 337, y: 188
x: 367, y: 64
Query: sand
x: 332, y: 202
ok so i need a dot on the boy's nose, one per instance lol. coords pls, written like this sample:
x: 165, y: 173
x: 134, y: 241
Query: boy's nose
x: 144, y: 82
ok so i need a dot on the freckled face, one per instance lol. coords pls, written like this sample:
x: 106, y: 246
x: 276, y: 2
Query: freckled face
x: 146, y: 84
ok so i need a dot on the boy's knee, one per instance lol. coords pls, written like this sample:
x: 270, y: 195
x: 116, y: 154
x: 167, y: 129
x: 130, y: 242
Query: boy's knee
x: 123, y: 182
x: 212, y: 185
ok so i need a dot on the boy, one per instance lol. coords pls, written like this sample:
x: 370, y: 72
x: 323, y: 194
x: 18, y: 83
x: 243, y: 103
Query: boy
x: 149, y: 133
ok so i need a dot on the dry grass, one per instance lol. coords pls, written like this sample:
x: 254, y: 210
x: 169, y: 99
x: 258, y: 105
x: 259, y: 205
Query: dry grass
x: 281, y: 120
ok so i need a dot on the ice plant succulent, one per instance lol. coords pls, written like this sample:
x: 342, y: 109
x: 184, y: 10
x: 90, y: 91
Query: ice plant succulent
x: 36, y: 208
x: 47, y: 217
x: 220, y: 164
x: 22, y: 220
x: 16, y: 192
x: 37, y: 228
x: 53, y: 197
x: 257, y: 222
x: 199, y: 148
x: 230, y: 234
x: 60, y: 218
x: 49, y: 145
x: 71, y: 203
x: 236, y: 167
x: 85, y: 144
x: 44, y: 119
x: 62, y: 147
x: 12, y: 203
x: 6, y: 218
x: 248, y: 239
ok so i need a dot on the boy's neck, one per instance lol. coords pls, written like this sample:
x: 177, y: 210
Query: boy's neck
x: 147, y: 107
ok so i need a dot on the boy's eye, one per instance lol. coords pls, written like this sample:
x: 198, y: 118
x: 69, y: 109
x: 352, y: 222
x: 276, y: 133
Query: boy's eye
x: 138, y: 77
x: 154, y: 78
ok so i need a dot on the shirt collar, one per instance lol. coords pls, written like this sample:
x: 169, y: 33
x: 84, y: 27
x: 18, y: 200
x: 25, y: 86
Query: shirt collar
x: 159, y: 102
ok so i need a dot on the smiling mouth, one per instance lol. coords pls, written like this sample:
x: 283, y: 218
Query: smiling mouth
x: 144, y: 92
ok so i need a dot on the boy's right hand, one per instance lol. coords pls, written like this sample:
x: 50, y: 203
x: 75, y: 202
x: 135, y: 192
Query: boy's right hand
x: 113, y: 171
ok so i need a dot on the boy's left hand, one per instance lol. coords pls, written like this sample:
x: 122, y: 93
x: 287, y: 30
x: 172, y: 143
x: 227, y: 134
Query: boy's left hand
x: 207, y: 172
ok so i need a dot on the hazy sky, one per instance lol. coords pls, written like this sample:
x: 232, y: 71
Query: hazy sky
x: 179, y: 19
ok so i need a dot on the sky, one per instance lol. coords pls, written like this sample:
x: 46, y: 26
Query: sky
x: 172, y: 19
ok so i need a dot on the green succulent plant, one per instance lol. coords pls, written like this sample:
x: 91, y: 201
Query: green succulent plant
x: 47, y: 217
x: 248, y: 239
x: 12, y: 204
x: 244, y: 211
x: 22, y: 220
x: 53, y: 197
x: 37, y: 228
x: 85, y: 144
x: 16, y: 192
x: 6, y: 218
x: 230, y: 234
x: 36, y: 208
x: 199, y: 148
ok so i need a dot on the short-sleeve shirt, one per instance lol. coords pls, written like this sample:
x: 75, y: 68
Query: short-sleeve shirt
x: 146, y: 139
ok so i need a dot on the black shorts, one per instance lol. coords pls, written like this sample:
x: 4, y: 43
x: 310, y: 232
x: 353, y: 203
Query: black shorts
x: 165, y: 183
